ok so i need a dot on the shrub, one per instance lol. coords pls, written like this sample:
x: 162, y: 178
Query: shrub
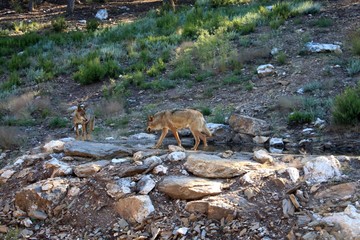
x: 92, y: 25
x: 90, y: 72
x: 298, y: 117
x: 312, y: 86
x: 206, y: 111
x: 18, y: 61
x: 161, y: 85
x: 9, y: 138
x: 355, y: 42
x: 156, y: 68
x: 13, y: 81
x: 59, y: 24
x: 323, y: 22
x: 353, y: 67
x: 346, y: 110
x: 58, y: 122
x: 281, y: 58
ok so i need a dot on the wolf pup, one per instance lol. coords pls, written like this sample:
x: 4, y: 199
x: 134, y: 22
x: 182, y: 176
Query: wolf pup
x: 179, y: 119
x: 85, y: 120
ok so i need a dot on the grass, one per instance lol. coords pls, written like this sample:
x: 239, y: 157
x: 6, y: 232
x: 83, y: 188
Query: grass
x: 353, y: 67
x: 299, y: 117
x: 323, y: 22
x: 58, y: 122
x: 9, y: 138
x: 354, y: 39
x: 346, y: 110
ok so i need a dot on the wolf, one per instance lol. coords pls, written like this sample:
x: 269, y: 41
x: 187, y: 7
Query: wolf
x: 87, y: 121
x: 178, y: 119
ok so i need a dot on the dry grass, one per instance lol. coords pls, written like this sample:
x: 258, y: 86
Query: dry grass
x: 110, y: 108
x: 9, y: 137
x: 254, y: 54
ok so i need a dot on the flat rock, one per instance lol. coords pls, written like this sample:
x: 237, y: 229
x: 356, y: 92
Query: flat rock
x: 211, y: 166
x: 338, y: 191
x: 95, y: 150
x: 322, y: 47
x: 183, y: 187
x: 88, y: 169
x: 135, y: 208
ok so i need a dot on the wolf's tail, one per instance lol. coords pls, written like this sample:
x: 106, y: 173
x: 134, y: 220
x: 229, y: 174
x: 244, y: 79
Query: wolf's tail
x: 206, y: 130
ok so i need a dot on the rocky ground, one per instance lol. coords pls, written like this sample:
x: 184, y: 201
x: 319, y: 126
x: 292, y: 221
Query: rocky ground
x: 116, y: 187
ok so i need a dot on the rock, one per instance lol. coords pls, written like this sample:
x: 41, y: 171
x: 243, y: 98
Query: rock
x: 322, y: 47
x: 6, y: 174
x: 160, y: 170
x: 102, y: 14
x: 119, y: 160
x: 58, y: 168
x: 294, y: 201
x: 43, y: 195
x: 54, y: 146
x: 175, y: 148
x: 252, y: 176
x: 142, y: 137
x: 321, y: 169
x: 119, y: 189
x: 294, y: 174
x: 181, y: 231
x: 262, y: 156
x: 220, y: 133
x: 349, y: 220
x: 265, y: 70
x: 211, y: 166
x: 3, y: 229
x: 248, y: 125
x: 260, y: 139
x: 183, y: 187
x: 145, y: 185
x: 176, y: 156
x: 219, y: 207
x: 37, y: 214
x: 26, y: 233
x: 276, y: 142
x: 135, y: 208
x: 338, y: 191
x: 95, y: 150
x: 288, y: 208
x: 88, y: 169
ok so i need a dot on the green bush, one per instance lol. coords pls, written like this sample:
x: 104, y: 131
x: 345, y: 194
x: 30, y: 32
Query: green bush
x: 161, y: 85
x: 346, y: 110
x: 13, y: 81
x: 298, y: 117
x: 353, y: 67
x: 58, y: 122
x: 92, y: 25
x: 323, y: 22
x: 18, y: 61
x: 90, y: 72
x: 59, y: 24
x: 281, y: 58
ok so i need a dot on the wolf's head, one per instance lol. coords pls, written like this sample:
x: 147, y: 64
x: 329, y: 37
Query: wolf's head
x: 154, y: 123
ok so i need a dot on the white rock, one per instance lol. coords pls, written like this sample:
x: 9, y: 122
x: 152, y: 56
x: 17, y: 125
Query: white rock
x: 109, y: 138
x: 176, y: 156
x: 82, y: 22
x: 142, y: 136
x: 262, y: 156
x: 7, y: 174
x: 293, y: 174
x: 182, y: 231
x: 274, y: 51
x: 134, y: 208
x: 321, y: 169
x: 349, y: 220
x: 119, y: 160
x: 278, y: 142
x: 54, y: 146
x: 300, y: 91
x: 265, y: 70
x: 160, y: 169
x: 61, y: 168
x: 260, y: 139
x: 146, y: 185
x: 322, y: 47
x: 102, y: 14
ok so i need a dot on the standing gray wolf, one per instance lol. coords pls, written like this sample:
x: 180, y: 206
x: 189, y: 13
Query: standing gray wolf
x: 86, y: 121
x: 179, y: 119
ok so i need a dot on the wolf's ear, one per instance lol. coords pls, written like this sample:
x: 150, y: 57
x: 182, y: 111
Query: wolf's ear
x: 151, y: 118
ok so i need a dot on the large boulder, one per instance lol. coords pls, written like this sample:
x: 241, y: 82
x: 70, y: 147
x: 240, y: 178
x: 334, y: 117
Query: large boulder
x: 349, y: 221
x: 44, y: 195
x: 211, y: 166
x: 320, y: 169
x: 183, y: 187
x: 218, y: 207
x: 95, y: 150
x: 135, y: 208
x: 249, y: 125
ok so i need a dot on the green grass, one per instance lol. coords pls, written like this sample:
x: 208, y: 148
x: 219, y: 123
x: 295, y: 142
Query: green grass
x: 323, y: 22
x: 13, y: 82
x: 58, y: 122
x: 146, y: 50
x: 353, y: 67
x: 299, y: 117
x: 346, y: 110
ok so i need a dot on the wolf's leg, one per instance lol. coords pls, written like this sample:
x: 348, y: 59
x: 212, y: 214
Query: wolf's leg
x: 163, y: 134
x: 203, y: 138
x: 197, y: 139
x: 176, y: 135
x: 77, y: 129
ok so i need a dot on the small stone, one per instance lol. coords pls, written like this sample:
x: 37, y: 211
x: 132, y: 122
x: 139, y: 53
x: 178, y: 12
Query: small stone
x: 3, y: 229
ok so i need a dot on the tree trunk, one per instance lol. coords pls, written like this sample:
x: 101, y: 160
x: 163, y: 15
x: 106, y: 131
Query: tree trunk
x: 31, y: 5
x: 70, y: 7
